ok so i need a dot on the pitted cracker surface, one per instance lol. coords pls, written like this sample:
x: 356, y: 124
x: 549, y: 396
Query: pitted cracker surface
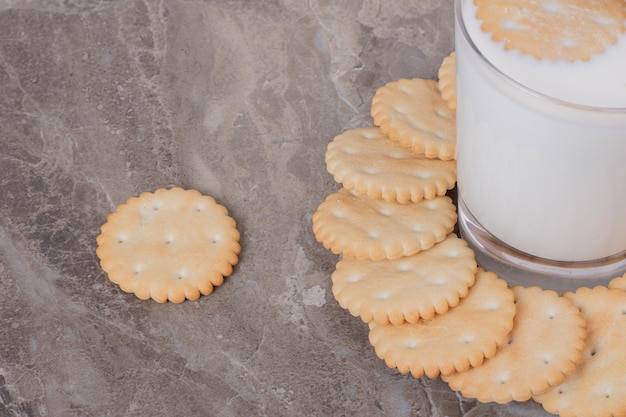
x: 173, y: 244
x: 598, y: 387
x: 413, y: 113
x: 409, y: 288
x: 454, y: 341
x: 359, y: 227
x: 367, y: 162
x: 544, y: 347
x: 553, y: 29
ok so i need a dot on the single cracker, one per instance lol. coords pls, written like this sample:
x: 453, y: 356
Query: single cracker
x: 367, y: 162
x: 359, y: 227
x: 413, y: 113
x: 173, y: 244
x: 598, y: 388
x: 545, y: 345
x: 454, y: 341
x: 553, y: 29
x: 409, y: 288
x: 447, y: 80
x: 618, y: 283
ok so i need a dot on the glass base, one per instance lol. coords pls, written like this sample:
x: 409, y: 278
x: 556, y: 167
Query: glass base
x: 519, y: 268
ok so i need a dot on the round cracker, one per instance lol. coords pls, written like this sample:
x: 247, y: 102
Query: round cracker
x: 546, y: 343
x: 598, y: 387
x: 367, y: 162
x: 359, y: 227
x: 413, y: 113
x: 454, y: 341
x: 447, y: 80
x: 406, y: 289
x: 553, y: 29
x: 173, y: 244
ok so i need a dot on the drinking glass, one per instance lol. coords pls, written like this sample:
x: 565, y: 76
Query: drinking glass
x: 541, y: 179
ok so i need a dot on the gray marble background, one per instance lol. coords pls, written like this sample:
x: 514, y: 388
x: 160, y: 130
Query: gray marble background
x: 102, y: 100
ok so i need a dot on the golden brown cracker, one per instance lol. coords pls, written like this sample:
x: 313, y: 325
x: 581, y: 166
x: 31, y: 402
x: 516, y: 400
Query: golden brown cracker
x: 454, y: 341
x: 359, y: 227
x: 598, y: 387
x: 546, y: 343
x: 409, y: 288
x: 447, y: 80
x: 367, y: 162
x: 173, y: 244
x: 413, y: 113
x: 618, y: 283
x: 553, y: 29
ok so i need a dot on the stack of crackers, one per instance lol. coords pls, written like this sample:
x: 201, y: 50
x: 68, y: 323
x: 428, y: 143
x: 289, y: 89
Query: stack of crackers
x: 431, y: 310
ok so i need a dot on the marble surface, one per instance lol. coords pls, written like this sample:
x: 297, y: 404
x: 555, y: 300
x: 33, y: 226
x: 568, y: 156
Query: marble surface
x: 102, y: 100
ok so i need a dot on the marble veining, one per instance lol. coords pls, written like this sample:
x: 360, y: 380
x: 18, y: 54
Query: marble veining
x: 102, y: 100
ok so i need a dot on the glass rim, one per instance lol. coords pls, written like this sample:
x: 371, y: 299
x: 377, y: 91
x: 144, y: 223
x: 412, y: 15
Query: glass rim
x: 458, y: 16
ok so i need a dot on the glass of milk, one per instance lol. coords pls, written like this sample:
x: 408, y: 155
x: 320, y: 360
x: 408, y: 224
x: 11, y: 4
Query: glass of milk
x: 541, y: 154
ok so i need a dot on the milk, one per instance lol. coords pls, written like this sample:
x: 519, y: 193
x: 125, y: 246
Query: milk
x: 537, y: 168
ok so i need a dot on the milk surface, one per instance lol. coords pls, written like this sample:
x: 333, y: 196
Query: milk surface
x: 599, y: 82
x: 546, y: 178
